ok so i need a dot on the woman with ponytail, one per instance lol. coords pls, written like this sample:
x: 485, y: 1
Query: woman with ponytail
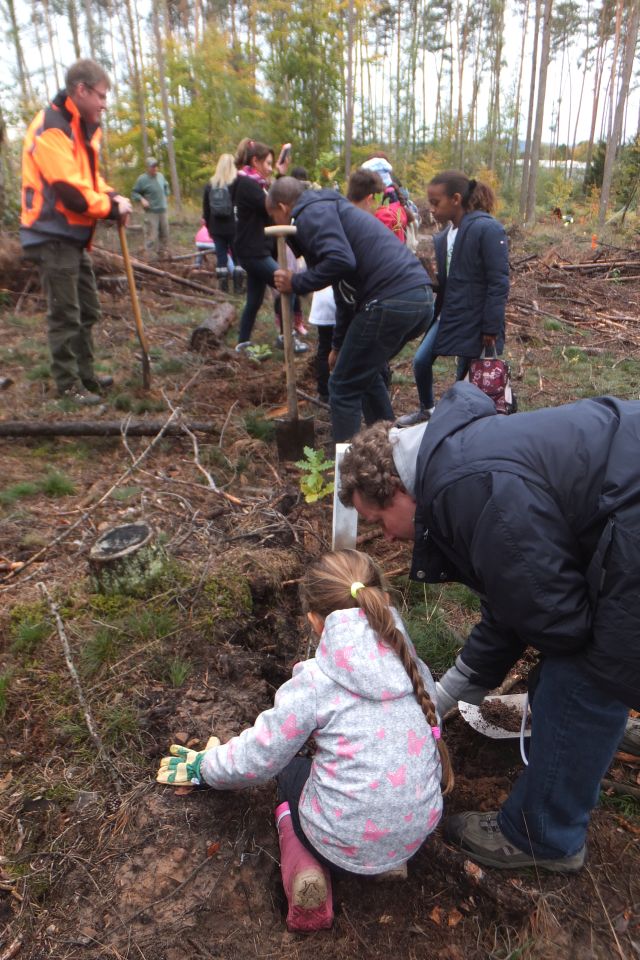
x: 370, y: 794
x: 473, y: 282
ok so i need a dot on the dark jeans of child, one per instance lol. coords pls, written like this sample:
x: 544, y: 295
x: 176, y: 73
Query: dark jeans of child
x: 291, y: 783
x: 325, y: 336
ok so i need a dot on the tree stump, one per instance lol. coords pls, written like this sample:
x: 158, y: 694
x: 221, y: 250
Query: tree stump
x: 211, y: 331
x: 125, y: 560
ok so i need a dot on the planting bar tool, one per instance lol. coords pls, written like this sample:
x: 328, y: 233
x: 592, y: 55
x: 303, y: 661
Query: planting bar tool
x: 345, y: 519
x: 292, y: 434
x: 142, y: 337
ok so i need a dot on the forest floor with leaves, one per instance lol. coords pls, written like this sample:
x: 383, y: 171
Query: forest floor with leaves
x: 97, y: 861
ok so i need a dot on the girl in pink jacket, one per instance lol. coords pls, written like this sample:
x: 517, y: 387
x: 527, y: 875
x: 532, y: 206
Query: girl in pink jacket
x: 370, y: 795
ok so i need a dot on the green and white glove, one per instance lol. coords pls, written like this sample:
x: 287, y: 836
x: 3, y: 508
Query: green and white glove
x: 182, y: 768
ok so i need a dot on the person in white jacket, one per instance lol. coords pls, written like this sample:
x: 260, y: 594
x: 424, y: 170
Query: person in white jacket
x: 371, y: 794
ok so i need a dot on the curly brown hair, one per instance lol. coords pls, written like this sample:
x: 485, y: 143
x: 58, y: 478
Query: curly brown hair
x: 368, y: 467
x: 326, y: 587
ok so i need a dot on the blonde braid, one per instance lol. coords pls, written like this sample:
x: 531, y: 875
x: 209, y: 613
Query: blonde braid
x: 327, y: 586
x: 378, y: 612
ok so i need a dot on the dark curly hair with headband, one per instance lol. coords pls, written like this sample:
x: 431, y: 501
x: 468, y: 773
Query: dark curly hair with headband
x: 327, y: 587
x: 367, y: 466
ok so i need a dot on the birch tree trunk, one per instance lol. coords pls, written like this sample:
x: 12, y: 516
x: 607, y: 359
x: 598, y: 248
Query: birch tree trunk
x: 631, y: 39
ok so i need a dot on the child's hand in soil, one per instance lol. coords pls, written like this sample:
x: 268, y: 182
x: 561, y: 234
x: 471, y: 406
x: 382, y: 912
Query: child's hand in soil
x: 182, y: 768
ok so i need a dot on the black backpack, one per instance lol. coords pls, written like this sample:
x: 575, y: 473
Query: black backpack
x: 220, y: 203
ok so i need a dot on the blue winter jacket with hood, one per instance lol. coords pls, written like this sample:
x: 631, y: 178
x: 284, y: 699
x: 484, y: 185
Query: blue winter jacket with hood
x: 540, y: 513
x: 343, y: 244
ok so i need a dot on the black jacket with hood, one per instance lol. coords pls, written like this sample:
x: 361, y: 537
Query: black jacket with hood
x: 540, y: 513
x: 472, y: 296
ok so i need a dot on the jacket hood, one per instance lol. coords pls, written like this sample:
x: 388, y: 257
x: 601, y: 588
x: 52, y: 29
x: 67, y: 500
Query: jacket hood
x: 349, y: 653
x: 406, y: 442
x: 460, y: 405
x: 315, y: 196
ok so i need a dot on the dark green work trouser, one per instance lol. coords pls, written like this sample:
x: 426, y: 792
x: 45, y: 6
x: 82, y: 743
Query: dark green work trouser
x: 73, y: 308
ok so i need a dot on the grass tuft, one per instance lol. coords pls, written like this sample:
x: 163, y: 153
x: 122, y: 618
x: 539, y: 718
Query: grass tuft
x: 259, y: 428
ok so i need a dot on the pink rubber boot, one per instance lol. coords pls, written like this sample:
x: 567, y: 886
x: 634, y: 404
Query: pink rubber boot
x: 298, y: 324
x: 307, y: 884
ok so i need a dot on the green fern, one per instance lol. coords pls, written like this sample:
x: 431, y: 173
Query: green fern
x: 313, y: 483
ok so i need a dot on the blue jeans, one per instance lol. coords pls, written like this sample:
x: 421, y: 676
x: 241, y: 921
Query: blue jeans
x: 223, y: 249
x: 378, y: 331
x: 576, y: 728
x: 423, y: 366
x: 260, y: 272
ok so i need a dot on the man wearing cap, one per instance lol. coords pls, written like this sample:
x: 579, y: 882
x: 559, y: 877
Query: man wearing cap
x: 151, y: 191
x: 63, y: 197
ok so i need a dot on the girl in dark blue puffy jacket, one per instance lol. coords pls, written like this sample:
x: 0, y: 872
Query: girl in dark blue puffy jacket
x: 473, y: 279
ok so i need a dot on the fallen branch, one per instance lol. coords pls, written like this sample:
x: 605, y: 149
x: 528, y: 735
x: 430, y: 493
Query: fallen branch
x: 164, y: 274
x: 624, y: 788
x: 98, y: 428
x: 88, y: 717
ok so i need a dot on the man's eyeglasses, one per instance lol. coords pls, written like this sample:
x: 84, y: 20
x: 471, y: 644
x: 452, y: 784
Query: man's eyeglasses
x: 102, y: 97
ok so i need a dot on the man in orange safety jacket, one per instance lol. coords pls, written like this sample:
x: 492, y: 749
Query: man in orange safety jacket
x: 63, y: 195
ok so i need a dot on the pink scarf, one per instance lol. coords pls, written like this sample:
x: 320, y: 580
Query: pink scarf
x: 253, y: 173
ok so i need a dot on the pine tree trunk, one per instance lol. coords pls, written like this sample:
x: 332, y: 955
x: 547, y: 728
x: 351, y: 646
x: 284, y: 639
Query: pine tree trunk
x: 166, y: 113
x: 526, y: 160
x: 631, y: 39
x: 537, y: 131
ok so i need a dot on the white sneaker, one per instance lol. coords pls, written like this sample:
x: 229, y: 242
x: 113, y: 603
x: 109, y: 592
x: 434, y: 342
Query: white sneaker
x: 241, y: 347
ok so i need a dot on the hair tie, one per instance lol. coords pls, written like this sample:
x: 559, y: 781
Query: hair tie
x: 355, y: 587
x: 436, y: 733
x: 472, y: 185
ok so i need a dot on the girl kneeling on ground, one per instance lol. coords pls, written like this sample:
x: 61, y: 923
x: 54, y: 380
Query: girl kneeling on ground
x: 370, y: 795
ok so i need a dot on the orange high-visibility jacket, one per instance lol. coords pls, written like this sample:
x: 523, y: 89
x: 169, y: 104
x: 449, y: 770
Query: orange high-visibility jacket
x: 63, y: 193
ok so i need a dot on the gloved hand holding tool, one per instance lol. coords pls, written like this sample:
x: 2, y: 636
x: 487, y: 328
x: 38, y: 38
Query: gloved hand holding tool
x: 182, y: 768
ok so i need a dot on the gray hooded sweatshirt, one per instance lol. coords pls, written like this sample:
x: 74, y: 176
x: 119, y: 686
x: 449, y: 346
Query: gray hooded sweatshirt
x: 373, y: 793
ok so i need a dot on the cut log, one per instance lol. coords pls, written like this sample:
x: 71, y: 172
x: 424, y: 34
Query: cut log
x: 164, y: 274
x: 212, y: 331
x: 98, y: 428
x: 125, y: 560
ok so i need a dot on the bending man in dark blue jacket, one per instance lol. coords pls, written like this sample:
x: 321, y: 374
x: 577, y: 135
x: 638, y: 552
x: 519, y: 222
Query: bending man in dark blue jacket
x: 388, y: 289
x: 539, y: 513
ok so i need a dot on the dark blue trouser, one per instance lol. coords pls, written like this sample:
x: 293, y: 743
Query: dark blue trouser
x: 575, y: 731
x: 378, y: 332
x: 260, y: 272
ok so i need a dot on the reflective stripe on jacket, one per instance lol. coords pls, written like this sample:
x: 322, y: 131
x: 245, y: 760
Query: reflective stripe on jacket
x: 63, y: 193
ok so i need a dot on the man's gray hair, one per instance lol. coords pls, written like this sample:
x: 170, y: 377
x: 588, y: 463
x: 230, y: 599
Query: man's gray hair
x: 88, y: 72
x: 285, y: 190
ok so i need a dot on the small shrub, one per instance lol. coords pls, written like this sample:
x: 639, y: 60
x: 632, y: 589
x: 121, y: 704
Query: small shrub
x: 56, y: 484
x: 101, y: 649
x: 313, y: 482
x: 25, y: 488
x: 259, y: 428
x: 149, y: 623
x: 5, y: 680
x: 177, y: 671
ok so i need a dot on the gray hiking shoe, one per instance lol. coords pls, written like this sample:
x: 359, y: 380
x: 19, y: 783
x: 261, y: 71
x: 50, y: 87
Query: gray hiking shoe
x: 418, y: 416
x: 479, y: 835
x: 80, y: 396
x: 298, y: 345
x: 630, y: 743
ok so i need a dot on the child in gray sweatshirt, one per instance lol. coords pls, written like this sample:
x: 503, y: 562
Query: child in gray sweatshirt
x: 371, y: 794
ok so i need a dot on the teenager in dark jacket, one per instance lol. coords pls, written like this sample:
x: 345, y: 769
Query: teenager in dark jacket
x: 254, y: 250
x: 388, y: 287
x: 473, y: 282
x: 540, y: 514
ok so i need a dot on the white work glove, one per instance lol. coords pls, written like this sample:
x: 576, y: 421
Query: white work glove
x: 454, y: 686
